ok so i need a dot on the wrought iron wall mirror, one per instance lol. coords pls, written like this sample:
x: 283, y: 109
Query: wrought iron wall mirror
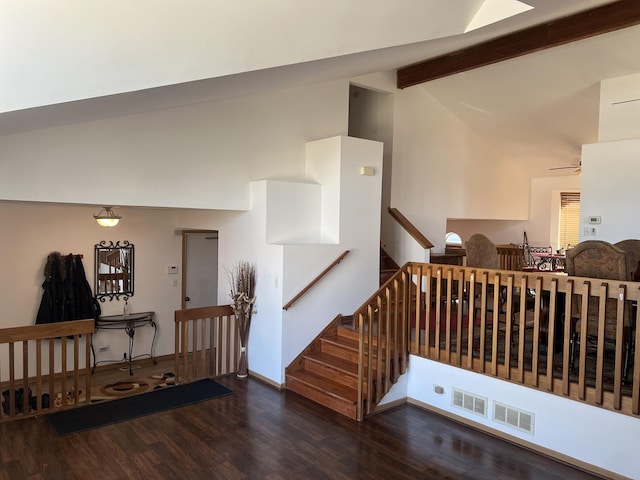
x: 113, y: 270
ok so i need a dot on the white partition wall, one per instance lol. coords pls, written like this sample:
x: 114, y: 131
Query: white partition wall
x: 351, y: 221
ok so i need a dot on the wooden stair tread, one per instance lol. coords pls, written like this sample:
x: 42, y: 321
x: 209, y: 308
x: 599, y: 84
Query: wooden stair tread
x: 350, y: 339
x: 342, y: 341
x: 324, y: 385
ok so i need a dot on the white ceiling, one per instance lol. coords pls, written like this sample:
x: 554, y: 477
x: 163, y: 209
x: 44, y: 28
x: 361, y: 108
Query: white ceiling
x: 538, y: 109
x: 541, y: 108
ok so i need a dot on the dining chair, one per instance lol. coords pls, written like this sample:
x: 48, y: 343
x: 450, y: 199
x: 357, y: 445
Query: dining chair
x: 631, y: 247
x: 483, y: 253
x: 598, y: 259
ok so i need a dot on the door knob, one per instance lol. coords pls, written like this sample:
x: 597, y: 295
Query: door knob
x: 187, y: 299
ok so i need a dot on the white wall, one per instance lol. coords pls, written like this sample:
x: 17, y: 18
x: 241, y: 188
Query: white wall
x: 290, y: 221
x: 619, y: 108
x: 324, y: 165
x: 610, y: 172
x: 592, y: 435
x: 542, y: 225
x: 196, y: 156
x: 351, y: 282
x: 610, y: 175
x: 443, y: 170
x: 249, y: 241
x: 498, y: 231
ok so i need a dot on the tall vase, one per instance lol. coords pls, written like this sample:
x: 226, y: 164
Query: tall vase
x: 243, y: 364
x: 244, y: 321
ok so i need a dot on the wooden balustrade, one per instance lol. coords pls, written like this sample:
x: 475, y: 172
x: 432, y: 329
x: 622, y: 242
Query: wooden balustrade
x: 46, y: 380
x: 446, y: 313
x: 207, y: 343
x: 383, y: 347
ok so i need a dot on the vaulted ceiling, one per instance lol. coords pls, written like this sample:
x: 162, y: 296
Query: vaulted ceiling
x: 537, y: 109
x: 540, y: 108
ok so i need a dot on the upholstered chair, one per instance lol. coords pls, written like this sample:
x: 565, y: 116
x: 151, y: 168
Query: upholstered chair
x: 598, y: 259
x: 481, y: 252
x: 632, y: 248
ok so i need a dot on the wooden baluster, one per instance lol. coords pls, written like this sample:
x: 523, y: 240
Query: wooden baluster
x: 586, y: 293
x: 63, y: 373
x: 26, y: 406
x: 551, y: 329
x: 38, y: 392
x: 87, y: 370
x: 76, y: 369
x: 52, y: 377
x: 472, y: 319
x: 568, y: 352
x: 621, y: 305
x: 212, y: 328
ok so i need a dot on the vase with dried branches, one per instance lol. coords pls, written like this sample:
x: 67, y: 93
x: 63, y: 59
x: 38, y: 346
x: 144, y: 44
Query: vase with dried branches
x: 242, y: 279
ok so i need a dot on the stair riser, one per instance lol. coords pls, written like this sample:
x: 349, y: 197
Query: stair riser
x: 354, y: 335
x: 343, y: 378
x: 348, y: 333
x: 341, y: 406
x: 339, y: 351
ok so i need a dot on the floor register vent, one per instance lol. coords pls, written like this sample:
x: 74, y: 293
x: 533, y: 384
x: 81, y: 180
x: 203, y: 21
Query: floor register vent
x: 513, y: 417
x: 469, y: 402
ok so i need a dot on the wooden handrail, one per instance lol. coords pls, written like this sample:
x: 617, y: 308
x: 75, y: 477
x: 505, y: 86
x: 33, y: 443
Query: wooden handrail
x: 410, y: 228
x: 316, y: 280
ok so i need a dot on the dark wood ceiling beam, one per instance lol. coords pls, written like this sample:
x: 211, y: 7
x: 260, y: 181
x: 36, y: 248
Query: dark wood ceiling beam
x: 589, y: 23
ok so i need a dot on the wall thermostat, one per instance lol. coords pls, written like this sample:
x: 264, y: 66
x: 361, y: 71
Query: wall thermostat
x: 594, y: 220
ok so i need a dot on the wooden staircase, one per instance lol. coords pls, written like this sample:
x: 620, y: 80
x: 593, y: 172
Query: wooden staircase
x: 388, y: 267
x: 327, y: 371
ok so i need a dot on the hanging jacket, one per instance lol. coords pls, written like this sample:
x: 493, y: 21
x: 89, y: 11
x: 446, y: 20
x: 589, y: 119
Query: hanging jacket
x: 52, y: 303
x: 84, y: 304
x: 67, y: 294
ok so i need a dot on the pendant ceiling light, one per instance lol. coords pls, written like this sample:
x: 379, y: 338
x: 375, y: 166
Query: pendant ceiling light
x: 107, y: 217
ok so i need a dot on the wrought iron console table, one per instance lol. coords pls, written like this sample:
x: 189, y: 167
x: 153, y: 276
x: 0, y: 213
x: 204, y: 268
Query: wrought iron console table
x: 128, y: 323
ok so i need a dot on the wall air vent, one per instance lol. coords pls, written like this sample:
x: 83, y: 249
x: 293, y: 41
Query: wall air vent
x: 469, y: 402
x: 513, y: 417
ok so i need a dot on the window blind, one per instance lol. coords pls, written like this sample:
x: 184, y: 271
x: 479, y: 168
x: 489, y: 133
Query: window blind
x: 569, y: 231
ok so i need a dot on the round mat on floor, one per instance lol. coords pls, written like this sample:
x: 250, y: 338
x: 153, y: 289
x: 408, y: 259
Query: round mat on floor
x: 125, y: 388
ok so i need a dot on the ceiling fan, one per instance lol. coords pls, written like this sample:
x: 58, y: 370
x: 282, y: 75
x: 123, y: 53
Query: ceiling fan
x: 577, y: 167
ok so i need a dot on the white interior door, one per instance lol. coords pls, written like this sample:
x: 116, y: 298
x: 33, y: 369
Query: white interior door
x: 200, y: 272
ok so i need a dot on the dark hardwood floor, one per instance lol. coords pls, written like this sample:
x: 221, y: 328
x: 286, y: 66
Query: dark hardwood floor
x: 261, y: 433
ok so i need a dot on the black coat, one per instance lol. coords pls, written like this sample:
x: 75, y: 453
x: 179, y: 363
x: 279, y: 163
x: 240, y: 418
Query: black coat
x: 67, y: 294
